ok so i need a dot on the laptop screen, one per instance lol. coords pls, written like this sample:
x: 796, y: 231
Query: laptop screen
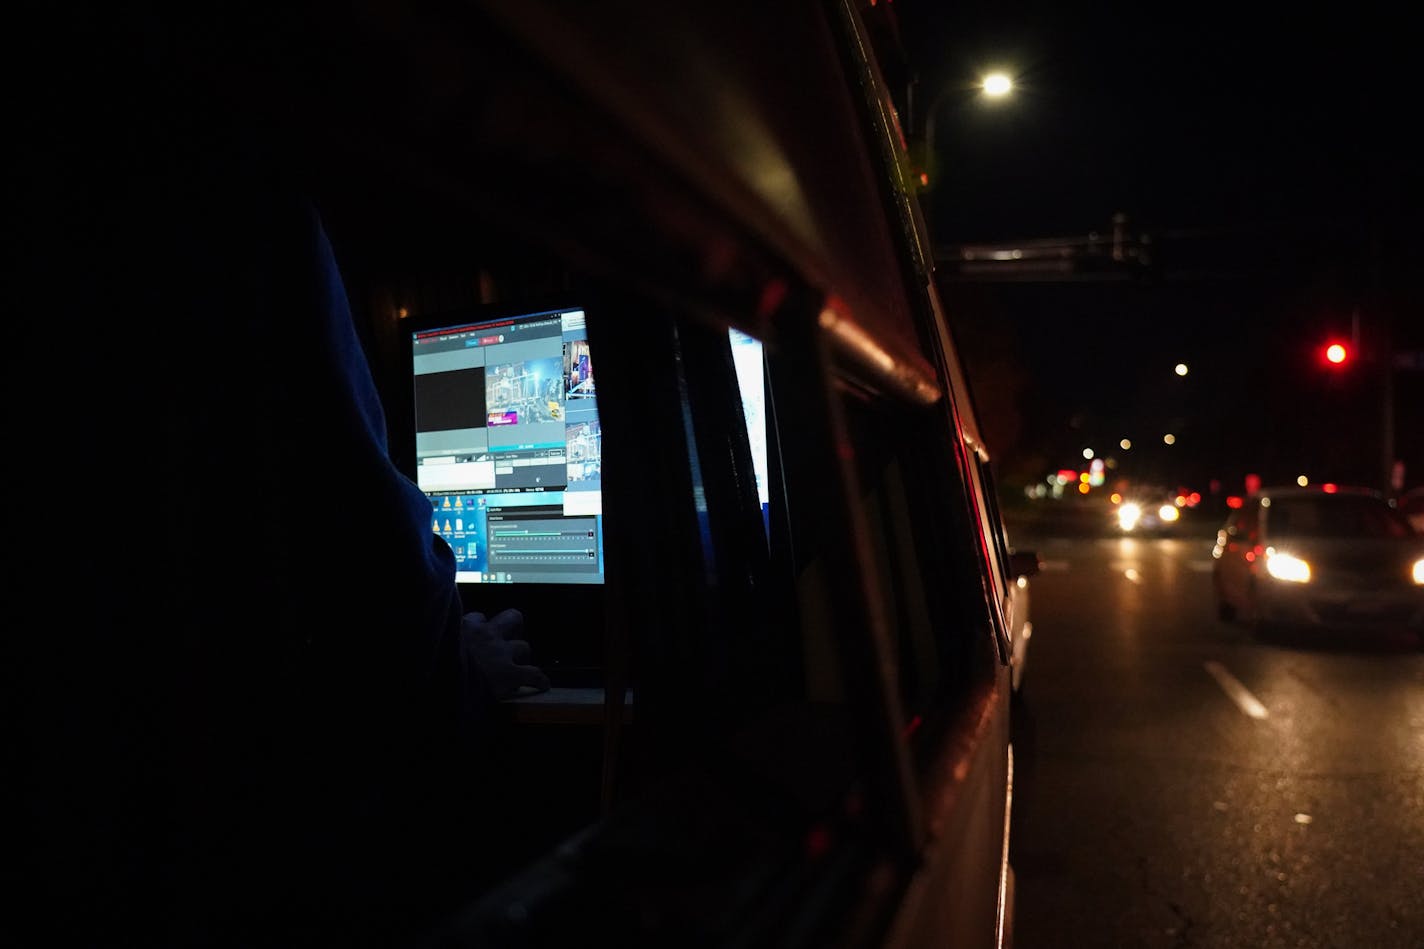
x: 507, y: 446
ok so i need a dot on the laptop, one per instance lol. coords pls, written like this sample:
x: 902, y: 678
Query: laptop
x: 507, y: 445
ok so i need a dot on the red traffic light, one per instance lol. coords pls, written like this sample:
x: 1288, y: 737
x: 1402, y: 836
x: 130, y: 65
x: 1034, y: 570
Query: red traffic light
x: 1336, y: 354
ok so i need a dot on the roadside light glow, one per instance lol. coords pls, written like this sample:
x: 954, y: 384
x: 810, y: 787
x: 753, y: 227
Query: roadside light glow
x: 1335, y: 353
x: 1128, y: 515
x: 997, y: 84
x: 1283, y: 566
x: 1181, y: 369
x: 1083, y: 488
x: 1168, y: 513
x: 1125, y: 444
x: 1180, y: 500
x: 1302, y: 481
x: 1087, y: 453
x: 1169, y: 439
x: 1419, y: 571
x: 1115, y: 498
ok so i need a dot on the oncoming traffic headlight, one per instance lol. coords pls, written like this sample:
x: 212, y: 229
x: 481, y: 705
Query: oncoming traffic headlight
x: 1283, y: 566
x: 1168, y: 513
x: 1128, y: 515
x: 1419, y: 571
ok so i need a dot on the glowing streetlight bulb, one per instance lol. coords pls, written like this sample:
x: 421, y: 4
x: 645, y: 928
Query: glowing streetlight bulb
x: 1181, y: 369
x: 1303, y: 481
x: 1125, y: 444
x: 1169, y: 439
x: 1087, y: 453
x: 997, y: 84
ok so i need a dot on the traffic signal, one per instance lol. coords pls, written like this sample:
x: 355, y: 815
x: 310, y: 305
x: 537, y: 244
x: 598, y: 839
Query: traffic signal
x: 1336, y: 354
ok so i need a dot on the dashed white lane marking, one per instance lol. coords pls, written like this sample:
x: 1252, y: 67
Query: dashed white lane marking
x: 1199, y: 566
x: 1055, y: 565
x: 1235, y: 691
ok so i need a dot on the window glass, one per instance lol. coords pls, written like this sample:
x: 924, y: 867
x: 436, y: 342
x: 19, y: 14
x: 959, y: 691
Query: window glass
x: 924, y: 568
x: 1335, y: 516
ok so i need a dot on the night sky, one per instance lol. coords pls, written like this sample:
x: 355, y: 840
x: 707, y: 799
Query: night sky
x: 1266, y: 154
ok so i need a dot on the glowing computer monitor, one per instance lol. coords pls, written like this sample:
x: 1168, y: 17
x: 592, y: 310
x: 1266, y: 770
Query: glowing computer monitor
x: 508, y: 444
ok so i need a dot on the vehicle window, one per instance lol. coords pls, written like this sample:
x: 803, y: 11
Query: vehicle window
x: 932, y: 585
x: 900, y: 575
x: 1335, y: 516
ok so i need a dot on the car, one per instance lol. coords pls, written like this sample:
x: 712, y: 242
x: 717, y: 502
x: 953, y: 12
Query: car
x: 1147, y: 516
x: 1329, y: 558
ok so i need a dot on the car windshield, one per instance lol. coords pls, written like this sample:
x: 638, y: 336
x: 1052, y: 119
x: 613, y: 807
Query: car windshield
x: 1335, y: 516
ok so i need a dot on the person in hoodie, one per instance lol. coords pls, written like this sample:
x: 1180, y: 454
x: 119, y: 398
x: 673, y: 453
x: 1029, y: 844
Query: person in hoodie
x: 252, y: 709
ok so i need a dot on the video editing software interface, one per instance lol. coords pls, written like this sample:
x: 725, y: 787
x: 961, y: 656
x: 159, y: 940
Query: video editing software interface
x: 508, y: 446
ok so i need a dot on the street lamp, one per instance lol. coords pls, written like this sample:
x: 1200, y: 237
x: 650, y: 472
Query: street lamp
x: 992, y: 87
x: 996, y: 85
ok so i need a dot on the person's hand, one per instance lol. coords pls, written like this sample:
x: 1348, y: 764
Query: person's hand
x: 501, y: 655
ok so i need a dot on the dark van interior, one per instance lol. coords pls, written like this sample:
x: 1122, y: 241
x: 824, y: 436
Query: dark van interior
x: 782, y: 726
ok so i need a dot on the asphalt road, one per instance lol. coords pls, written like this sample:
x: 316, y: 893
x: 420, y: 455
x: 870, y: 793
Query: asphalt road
x: 1178, y: 783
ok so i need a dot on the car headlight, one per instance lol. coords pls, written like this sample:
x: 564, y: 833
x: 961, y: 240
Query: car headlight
x: 1419, y: 571
x: 1128, y: 515
x: 1286, y: 567
x: 1168, y: 513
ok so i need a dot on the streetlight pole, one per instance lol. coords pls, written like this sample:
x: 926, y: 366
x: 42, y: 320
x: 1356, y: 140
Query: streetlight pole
x: 993, y: 86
